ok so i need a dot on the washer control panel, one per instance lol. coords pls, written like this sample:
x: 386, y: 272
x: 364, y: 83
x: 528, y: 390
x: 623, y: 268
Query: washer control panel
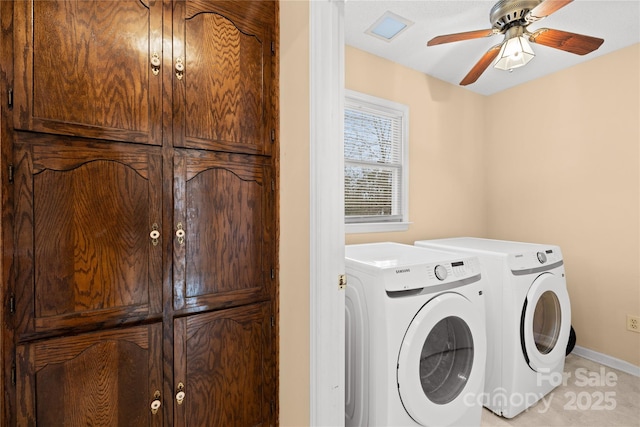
x: 431, y: 274
x: 536, y: 260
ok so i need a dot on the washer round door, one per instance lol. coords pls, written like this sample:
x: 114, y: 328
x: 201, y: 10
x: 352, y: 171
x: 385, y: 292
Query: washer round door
x: 546, y: 322
x: 442, y: 359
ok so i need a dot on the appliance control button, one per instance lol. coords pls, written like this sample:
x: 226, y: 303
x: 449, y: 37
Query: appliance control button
x: 441, y: 272
x: 542, y: 257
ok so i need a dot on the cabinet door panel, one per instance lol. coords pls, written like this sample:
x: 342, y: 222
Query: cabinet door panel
x: 87, y: 213
x: 224, y: 94
x: 84, y: 68
x: 100, y: 379
x: 224, y: 361
x: 222, y: 204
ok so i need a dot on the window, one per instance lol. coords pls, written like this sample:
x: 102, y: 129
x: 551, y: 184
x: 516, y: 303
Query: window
x: 375, y: 164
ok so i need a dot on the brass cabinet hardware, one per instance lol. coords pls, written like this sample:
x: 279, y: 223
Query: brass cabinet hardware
x: 179, y: 68
x: 180, y: 233
x: 180, y: 393
x: 155, y: 234
x: 155, y: 63
x: 156, y: 403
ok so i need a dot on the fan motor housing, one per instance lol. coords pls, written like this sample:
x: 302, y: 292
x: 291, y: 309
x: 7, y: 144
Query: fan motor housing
x: 507, y: 13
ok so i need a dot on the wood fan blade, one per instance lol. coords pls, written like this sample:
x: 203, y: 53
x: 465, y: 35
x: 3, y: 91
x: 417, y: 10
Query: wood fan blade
x: 460, y: 36
x: 481, y: 65
x: 563, y: 40
x: 545, y: 9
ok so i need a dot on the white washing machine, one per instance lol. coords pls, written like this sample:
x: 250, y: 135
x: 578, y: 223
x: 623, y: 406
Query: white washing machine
x: 528, y: 319
x: 415, y: 337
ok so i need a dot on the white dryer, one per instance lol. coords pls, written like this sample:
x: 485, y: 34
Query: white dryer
x: 415, y: 337
x: 528, y: 319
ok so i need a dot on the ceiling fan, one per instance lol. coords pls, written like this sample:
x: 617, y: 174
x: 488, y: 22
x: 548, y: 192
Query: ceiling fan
x: 511, y: 18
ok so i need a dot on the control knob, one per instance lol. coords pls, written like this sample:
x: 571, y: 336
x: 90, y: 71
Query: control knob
x: 441, y: 272
x: 542, y: 257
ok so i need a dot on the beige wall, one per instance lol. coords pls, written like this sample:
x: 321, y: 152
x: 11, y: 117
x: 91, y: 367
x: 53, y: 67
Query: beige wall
x: 468, y: 179
x: 553, y: 161
x: 446, y: 154
x: 562, y: 162
x: 294, y: 213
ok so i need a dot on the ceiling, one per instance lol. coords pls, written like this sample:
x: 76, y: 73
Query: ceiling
x: 617, y: 22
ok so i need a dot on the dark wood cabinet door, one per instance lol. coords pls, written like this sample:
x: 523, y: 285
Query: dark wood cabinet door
x: 223, y: 95
x: 224, y: 360
x: 222, y: 208
x: 141, y: 202
x: 106, y: 379
x: 84, y: 68
x: 84, y: 218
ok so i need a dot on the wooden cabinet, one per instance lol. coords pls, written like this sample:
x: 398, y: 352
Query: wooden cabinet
x: 230, y: 222
x: 101, y: 378
x: 83, y: 219
x: 142, y: 159
x: 82, y: 68
x: 221, y: 354
x: 225, y: 98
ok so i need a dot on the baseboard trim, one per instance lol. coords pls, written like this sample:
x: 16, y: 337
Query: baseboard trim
x: 607, y: 360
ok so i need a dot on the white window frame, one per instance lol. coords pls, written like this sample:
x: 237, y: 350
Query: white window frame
x: 354, y: 99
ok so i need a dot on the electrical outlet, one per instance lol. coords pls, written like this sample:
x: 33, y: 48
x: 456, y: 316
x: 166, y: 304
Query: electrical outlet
x: 633, y: 323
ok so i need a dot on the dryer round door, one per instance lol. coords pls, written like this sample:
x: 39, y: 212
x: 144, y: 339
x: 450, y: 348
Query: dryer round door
x: 546, y: 322
x: 441, y: 360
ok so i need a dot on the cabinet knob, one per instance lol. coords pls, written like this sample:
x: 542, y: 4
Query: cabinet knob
x: 156, y: 403
x: 155, y: 63
x: 155, y: 234
x: 179, y: 68
x: 180, y: 393
x: 180, y: 233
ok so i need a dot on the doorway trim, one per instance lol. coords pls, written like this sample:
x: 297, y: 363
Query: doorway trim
x: 326, y: 222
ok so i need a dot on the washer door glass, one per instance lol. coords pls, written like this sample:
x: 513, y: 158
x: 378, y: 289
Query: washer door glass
x: 446, y: 360
x: 441, y: 360
x: 546, y: 321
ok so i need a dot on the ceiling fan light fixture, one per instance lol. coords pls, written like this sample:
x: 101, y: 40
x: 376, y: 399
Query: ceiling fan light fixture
x: 515, y: 52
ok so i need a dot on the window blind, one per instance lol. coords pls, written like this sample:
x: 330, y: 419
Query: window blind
x: 373, y: 163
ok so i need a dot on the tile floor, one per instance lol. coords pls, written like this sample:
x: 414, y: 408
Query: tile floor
x: 593, y: 396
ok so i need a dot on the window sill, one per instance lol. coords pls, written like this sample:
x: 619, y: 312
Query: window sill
x: 376, y: 227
